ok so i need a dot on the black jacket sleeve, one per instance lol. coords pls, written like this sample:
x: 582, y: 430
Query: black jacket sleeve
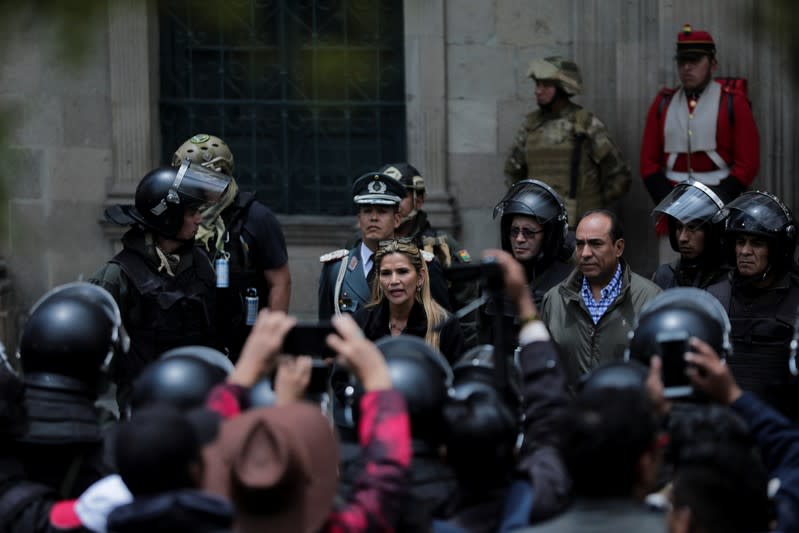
x: 545, y: 400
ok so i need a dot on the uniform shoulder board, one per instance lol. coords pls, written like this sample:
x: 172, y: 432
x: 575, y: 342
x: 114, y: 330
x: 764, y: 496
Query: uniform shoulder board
x: 333, y: 256
x: 428, y: 256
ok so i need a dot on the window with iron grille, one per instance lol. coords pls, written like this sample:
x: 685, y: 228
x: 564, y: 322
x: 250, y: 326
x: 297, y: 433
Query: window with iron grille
x: 308, y: 94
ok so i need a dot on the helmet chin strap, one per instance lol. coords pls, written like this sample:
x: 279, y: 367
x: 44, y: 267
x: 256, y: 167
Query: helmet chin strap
x: 413, y: 212
x: 410, y: 216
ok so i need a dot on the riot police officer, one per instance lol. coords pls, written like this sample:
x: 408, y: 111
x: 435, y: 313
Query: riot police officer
x: 533, y: 228
x: 68, y: 348
x: 761, y: 295
x: 243, y: 235
x: 665, y: 326
x: 688, y: 211
x: 423, y: 377
x: 163, y: 283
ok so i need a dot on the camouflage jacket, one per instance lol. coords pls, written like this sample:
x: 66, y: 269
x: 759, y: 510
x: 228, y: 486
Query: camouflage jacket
x: 571, y: 151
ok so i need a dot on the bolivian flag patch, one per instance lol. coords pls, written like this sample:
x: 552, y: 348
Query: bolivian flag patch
x: 464, y: 256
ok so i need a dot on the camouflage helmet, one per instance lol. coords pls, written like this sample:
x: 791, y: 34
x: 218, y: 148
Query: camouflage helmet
x: 206, y: 150
x: 407, y: 174
x: 564, y: 72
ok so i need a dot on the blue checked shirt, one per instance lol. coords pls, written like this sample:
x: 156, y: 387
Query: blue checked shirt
x: 609, y: 293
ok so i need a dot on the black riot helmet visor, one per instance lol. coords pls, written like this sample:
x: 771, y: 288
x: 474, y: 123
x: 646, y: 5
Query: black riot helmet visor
x: 197, y: 184
x: 690, y: 202
x: 531, y: 198
x: 758, y: 213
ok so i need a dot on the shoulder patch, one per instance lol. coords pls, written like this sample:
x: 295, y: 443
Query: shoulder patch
x: 428, y: 256
x: 333, y: 256
x: 464, y: 256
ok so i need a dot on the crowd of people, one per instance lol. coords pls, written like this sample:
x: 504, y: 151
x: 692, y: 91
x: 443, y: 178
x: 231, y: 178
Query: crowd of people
x: 544, y: 387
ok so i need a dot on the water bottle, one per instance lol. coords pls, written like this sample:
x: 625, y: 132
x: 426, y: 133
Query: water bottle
x: 252, y: 305
x: 222, y: 272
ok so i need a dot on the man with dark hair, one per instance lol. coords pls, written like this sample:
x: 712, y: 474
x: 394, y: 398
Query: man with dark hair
x: 158, y: 457
x: 687, y: 213
x: 714, y: 499
x: 591, y: 312
x: 612, y: 451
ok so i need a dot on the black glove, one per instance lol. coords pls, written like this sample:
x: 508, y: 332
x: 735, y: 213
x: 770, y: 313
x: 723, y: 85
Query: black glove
x: 658, y: 186
x: 728, y: 189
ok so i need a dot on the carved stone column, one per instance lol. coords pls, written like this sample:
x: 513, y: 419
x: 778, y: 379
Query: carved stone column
x: 426, y: 107
x: 133, y: 64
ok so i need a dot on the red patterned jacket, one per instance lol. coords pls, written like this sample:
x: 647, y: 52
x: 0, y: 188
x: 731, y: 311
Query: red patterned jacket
x: 385, y: 439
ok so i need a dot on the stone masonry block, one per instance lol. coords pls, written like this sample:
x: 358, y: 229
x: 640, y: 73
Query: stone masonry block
x: 42, y: 122
x: 27, y: 227
x: 472, y: 126
x: 479, y: 230
x: 87, y: 120
x: 470, y: 22
x: 531, y: 22
x: 25, y: 172
x: 79, y: 171
x: 476, y: 180
x: 480, y: 72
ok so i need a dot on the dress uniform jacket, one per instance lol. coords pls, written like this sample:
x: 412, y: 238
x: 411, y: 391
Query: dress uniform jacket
x: 343, y: 287
x: 737, y: 144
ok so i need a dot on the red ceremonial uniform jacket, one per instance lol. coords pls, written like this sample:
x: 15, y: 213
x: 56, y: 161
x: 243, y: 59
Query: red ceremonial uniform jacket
x: 737, y: 142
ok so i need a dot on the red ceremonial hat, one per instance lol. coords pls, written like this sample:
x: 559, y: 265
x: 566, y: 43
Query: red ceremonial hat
x: 693, y: 43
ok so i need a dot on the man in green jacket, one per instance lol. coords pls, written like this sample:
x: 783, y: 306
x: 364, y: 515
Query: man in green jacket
x: 591, y: 312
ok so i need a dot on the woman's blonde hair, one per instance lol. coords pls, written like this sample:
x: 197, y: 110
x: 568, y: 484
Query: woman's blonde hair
x: 434, y: 313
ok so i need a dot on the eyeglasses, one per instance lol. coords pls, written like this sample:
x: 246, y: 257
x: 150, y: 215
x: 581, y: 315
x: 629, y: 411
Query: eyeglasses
x: 527, y: 232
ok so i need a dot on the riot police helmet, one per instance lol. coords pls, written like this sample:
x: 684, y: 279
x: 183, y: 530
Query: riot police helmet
x: 692, y: 204
x: 665, y: 325
x: 423, y: 376
x: 479, y: 420
x: 181, y: 377
x: 535, y: 199
x: 761, y: 214
x: 165, y: 194
x: 206, y: 150
x: 614, y: 375
x: 72, y: 337
x: 564, y: 73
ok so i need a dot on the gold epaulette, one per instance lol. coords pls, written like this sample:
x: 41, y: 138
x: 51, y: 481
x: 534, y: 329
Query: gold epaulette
x: 333, y: 256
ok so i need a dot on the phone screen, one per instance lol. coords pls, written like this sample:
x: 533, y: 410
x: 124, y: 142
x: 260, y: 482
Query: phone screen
x: 309, y: 339
x: 675, y: 381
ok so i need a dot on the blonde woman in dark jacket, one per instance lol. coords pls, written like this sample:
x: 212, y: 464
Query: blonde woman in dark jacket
x: 401, y: 301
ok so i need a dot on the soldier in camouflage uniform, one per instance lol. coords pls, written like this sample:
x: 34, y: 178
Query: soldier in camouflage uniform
x: 566, y: 146
x: 448, y: 251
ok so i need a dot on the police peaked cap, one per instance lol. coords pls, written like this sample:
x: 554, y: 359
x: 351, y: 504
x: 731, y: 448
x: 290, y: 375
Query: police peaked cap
x: 377, y: 188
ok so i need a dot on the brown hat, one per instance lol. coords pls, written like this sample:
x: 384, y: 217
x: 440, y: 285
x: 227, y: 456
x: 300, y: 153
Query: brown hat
x: 278, y: 466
